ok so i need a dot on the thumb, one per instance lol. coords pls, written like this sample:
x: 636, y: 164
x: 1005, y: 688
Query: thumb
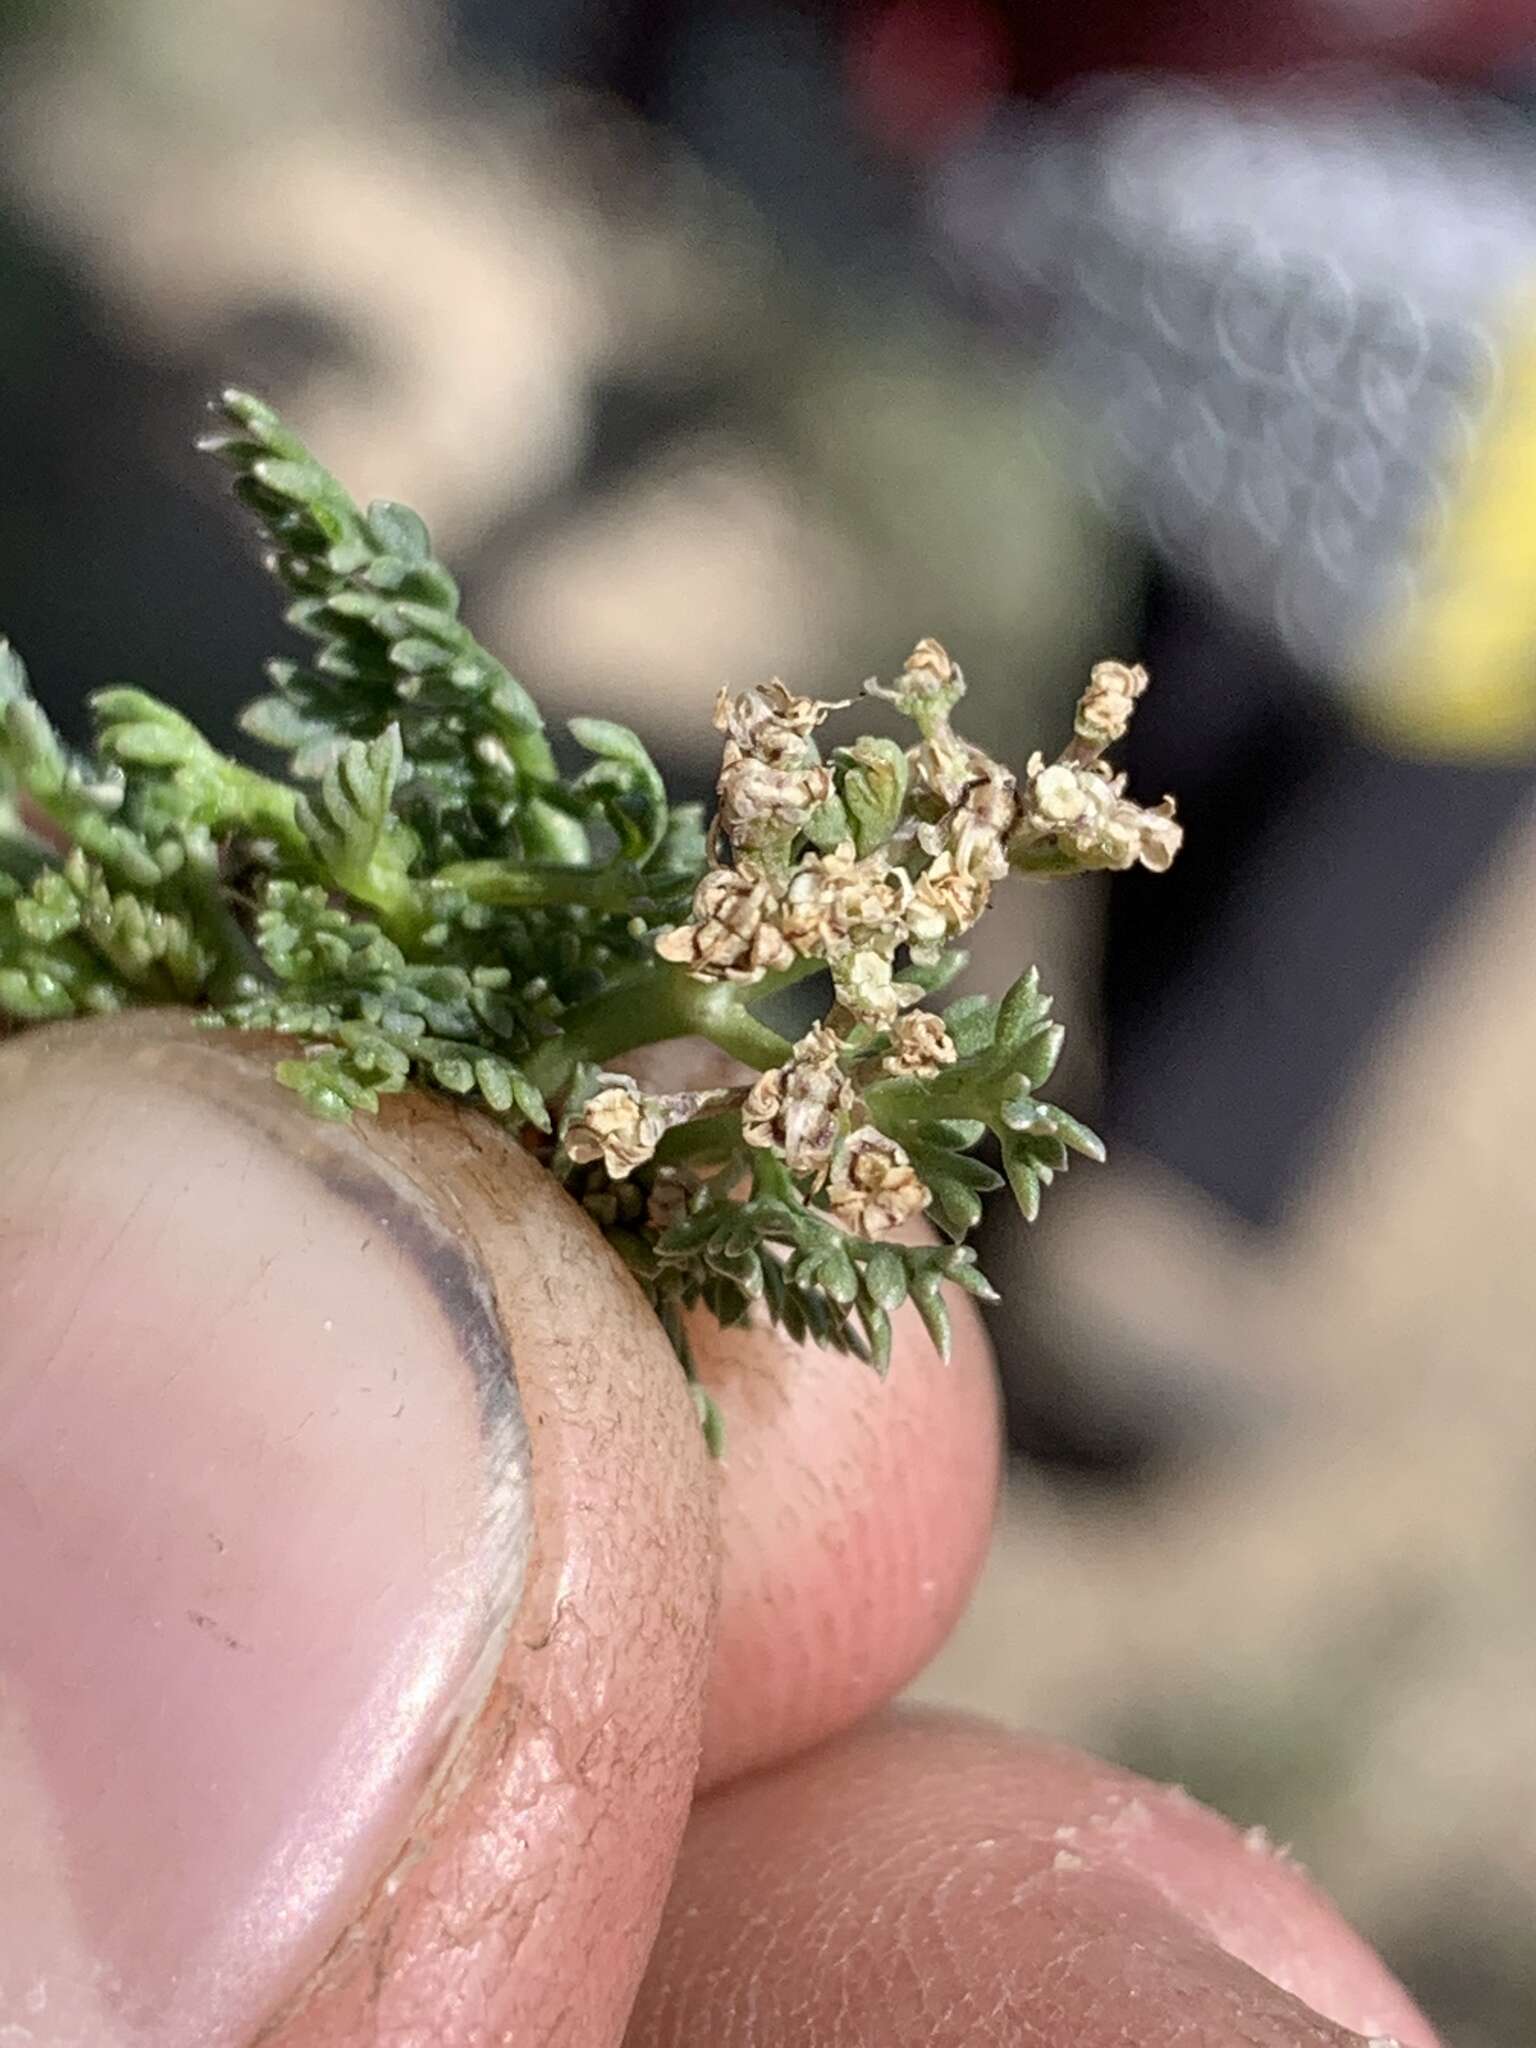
x: 356, y: 1570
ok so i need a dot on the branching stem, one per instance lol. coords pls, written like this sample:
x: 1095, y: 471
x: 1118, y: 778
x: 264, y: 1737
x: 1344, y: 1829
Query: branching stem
x: 661, y: 1003
x: 616, y: 889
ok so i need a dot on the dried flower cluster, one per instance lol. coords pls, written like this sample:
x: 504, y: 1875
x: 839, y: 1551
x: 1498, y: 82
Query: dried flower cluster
x: 800, y: 1110
x: 621, y: 1126
x: 874, y: 1187
x: 772, y: 778
x: 1077, y: 805
x: 1080, y: 808
x: 1105, y: 707
x: 732, y: 935
x: 788, y: 882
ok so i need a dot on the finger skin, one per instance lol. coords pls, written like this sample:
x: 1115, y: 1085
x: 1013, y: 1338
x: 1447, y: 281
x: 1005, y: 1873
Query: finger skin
x: 932, y: 1882
x: 520, y: 1902
x: 529, y: 1914
x: 855, y: 1513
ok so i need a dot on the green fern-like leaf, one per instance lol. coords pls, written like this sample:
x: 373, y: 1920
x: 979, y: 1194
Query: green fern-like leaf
x: 391, y: 650
x: 1007, y: 1049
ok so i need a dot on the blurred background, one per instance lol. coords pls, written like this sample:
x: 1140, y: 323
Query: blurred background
x: 726, y: 338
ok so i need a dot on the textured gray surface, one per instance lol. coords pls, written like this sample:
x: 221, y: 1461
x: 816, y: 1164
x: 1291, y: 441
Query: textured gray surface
x: 1281, y: 321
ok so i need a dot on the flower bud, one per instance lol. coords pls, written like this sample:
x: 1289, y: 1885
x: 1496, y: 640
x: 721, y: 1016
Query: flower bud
x: 873, y: 788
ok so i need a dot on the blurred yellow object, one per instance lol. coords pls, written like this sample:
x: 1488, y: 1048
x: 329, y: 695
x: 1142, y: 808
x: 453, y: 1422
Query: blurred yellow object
x: 1454, y: 674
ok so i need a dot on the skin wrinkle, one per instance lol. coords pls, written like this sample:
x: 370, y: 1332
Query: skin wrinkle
x: 906, y: 1891
x: 1222, y: 1928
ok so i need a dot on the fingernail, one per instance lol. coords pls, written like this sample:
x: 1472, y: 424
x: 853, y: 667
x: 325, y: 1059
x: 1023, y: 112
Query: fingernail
x: 263, y: 1525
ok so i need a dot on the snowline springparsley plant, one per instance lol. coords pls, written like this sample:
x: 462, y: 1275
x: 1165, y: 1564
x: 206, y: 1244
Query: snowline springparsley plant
x: 426, y: 900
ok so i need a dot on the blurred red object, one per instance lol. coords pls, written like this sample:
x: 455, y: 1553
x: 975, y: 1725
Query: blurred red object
x: 1467, y: 37
x: 924, y: 71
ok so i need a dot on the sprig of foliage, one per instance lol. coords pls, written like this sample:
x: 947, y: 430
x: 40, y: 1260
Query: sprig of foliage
x: 391, y: 650
x: 424, y: 900
x: 1006, y: 1050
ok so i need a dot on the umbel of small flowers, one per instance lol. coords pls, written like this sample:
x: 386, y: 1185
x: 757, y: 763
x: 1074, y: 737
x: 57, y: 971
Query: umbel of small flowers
x: 423, y: 897
x: 883, y: 858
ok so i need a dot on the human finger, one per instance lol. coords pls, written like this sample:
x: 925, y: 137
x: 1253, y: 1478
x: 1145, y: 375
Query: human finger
x: 356, y: 1569
x: 854, y: 1513
x: 929, y: 1882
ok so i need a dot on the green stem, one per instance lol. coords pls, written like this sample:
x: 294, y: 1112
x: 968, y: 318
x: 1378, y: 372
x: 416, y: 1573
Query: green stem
x: 653, y: 1005
x: 1043, y: 859
x: 771, y: 1178
x: 234, y: 950
x: 663, y: 1002
x: 731, y: 1026
x: 899, y: 1100
x: 615, y: 889
x: 401, y: 908
x: 707, y: 1141
x: 262, y: 809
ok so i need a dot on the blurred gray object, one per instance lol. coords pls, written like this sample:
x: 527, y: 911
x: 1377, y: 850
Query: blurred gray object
x: 1280, y: 320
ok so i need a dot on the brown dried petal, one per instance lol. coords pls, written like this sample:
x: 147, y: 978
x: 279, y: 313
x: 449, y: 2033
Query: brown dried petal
x: 942, y: 766
x: 623, y: 1127
x: 1161, y: 837
x: 760, y: 801
x: 929, y: 684
x: 874, y: 1186
x: 731, y: 936
x: 761, y: 1111
x: 932, y: 664
x: 799, y: 1109
x: 1084, y: 809
x: 1105, y: 707
x: 834, y: 898
x: 617, y: 1126
x: 920, y: 1045
x: 948, y: 899
x: 982, y: 805
x: 991, y: 794
x: 748, y: 719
